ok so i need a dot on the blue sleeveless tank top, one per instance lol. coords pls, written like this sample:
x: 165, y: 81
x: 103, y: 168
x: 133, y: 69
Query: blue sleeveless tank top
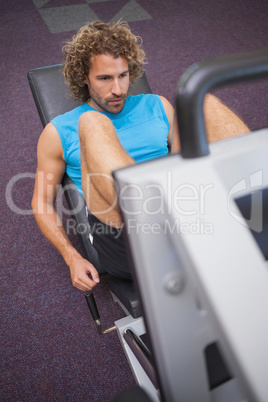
x: 142, y: 128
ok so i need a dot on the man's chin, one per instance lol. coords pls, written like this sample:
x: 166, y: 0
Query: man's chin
x: 116, y: 108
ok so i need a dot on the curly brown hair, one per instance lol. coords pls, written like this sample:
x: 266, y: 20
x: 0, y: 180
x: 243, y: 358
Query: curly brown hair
x: 97, y: 38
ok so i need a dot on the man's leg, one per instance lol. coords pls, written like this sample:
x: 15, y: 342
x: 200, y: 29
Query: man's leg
x: 101, y: 153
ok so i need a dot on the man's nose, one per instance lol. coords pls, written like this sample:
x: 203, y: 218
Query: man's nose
x: 116, y: 89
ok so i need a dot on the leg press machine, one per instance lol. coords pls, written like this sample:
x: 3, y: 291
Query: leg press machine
x: 196, y: 227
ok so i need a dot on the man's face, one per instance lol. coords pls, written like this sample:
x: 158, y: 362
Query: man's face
x: 108, y: 83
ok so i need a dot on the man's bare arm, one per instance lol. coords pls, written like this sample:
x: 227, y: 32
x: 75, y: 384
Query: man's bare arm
x: 50, y: 170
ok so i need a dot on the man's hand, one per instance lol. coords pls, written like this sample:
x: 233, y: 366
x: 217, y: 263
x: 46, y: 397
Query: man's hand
x: 80, y: 268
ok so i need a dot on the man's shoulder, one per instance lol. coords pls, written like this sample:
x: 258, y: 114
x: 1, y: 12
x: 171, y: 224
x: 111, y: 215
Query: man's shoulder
x: 72, y: 114
x: 67, y: 124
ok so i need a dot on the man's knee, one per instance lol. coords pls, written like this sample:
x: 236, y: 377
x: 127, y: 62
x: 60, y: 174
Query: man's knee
x: 93, y: 122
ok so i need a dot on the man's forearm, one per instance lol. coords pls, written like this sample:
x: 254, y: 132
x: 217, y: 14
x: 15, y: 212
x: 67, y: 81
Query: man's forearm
x: 80, y: 268
x: 50, y: 225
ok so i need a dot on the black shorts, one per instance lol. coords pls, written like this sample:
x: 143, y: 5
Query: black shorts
x: 110, y: 246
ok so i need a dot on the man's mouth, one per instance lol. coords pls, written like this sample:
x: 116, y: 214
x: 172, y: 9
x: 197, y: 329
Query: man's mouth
x: 116, y: 101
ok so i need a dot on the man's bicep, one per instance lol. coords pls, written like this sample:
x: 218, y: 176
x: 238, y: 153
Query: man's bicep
x: 50, y: 165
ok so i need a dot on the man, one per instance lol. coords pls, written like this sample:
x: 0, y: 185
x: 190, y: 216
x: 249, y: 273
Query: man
x: 112, y: 130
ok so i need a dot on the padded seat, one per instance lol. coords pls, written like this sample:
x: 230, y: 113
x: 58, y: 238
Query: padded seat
x: 125, y: 292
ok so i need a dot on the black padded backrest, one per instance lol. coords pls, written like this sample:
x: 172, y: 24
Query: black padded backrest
x: 52, y: 96
x: 50, y: 92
